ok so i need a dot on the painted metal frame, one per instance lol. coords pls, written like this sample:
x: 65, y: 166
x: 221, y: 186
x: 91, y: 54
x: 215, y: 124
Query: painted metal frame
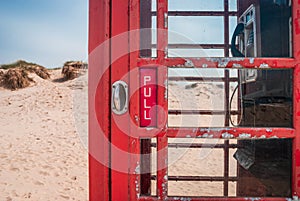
x: 109, y: 18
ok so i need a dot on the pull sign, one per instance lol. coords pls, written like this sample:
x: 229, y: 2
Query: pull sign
x: 148, y: 97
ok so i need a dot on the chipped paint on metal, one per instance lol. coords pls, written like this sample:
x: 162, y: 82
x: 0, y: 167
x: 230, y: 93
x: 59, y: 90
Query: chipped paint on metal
x: 166, y: 89
x: 182, y: 198
x: 227, y: 135
x: 136, y: 117
x: 245, y: 135
x: 263, y: 137
x: 251, y: 60
x: 166, y: 20
x: 166, y: 52
x: 223, y: 62
x: 137, y: 187
x: 269, y: 130
x: 235, y: 65
x: 137, y: 168
x: 204, y: 65
x: 217, y: 129
x: 188, y: 136
x: 206, y: 135
x: 264, y: 65
x: 166, y: 177
x: 296, y: 198
x: 188, y: 64
x: 253, y: 199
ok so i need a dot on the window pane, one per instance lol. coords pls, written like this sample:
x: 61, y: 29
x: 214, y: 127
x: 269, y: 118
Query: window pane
x: 196, y: 98
x: 264, y: 168
x: 202, y: 30
x: 265, y: 30
x: 195, y: 5
x: 232, y: 5
x: 195, y: 52
x: 148, y: 29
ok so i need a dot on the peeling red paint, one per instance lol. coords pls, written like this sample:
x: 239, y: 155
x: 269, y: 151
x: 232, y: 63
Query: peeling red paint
x: 297, y: 27
x: 297, y: 94
x: 297, y: 157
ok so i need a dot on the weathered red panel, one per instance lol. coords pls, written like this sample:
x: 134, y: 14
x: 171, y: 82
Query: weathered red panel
x: 296, y: 142
x: 120, y: 139
x: 99, y: 121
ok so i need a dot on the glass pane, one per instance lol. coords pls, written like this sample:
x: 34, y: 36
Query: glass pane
x: 232, y: 5
x: 186, y: 161
x: 266, y: 98
x: 195, y: 5
x: 256, y: 97
x: 232, y: 25
x: 196, y: 30
x: 153, y: 5
x: 148, y: 166
x: 196, y: 167
x: 177, y: 52
x: 195, y: 188
x: 148, y: 28
x: 257, y: 168
x: 264, y: 168
x: 257, y: 28
x: 264, y: 29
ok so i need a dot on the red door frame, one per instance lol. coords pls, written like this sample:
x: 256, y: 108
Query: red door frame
x: 108, y: 19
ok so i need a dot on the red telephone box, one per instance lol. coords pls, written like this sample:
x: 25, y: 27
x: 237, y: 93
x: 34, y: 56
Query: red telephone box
x: 143, y: 52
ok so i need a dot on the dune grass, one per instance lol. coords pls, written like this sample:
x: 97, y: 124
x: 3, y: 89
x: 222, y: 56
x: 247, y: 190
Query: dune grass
x: 16, y: 75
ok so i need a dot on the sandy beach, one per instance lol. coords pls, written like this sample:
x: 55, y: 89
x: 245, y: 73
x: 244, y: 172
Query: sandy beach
x: 42, y: 156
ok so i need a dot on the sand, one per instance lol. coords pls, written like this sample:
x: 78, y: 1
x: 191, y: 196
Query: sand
x: 42, y: 156
x: 43, y: 140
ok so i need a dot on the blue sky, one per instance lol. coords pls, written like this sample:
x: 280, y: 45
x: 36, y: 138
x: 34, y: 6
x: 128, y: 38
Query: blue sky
x: 47, y: 32
x: 50, y: 32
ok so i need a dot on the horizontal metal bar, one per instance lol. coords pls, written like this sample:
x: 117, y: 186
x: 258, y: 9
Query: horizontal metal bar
x: 198, y: 145
x: 196, y: 46
x: 201, y: 112
x: 226, y: 199
x: 196, y: 178
x: 225, y: 62
x: 150, y: 198
x: 193, y: 198
x: 192, y: 46
x: 231, y: 133
x: 202, y: 79
x: 197, y: 13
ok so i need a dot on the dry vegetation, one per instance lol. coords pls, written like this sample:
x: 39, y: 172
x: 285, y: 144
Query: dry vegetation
x: 29, y: 67
x: 16, y: 75
x: 70, y: 72
x: 72, y: 69
x: 15, y: 79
